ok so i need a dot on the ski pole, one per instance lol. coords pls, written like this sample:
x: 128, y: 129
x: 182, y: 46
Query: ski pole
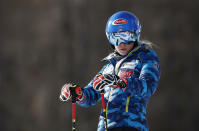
x: 73, y: 117
x: 104, y: 109
x: 73, y: 109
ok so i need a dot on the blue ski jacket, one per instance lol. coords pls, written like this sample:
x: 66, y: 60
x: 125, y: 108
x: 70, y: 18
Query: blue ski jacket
x: 127, y: 108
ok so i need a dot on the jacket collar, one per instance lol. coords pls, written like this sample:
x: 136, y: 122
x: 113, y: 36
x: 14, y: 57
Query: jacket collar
x: 113, y: 57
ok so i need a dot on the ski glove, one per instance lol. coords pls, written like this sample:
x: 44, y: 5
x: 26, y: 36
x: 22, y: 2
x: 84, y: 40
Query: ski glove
x: 114, y: 81
x: 70, y: 91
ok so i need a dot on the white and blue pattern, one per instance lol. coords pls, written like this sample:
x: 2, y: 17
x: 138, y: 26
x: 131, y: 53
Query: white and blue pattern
x: 140, y: 86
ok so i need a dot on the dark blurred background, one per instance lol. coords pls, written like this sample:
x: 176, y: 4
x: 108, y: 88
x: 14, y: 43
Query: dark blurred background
x: 46, y: 43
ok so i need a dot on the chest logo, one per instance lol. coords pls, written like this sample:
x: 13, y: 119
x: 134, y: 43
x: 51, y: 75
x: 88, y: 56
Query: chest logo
x: 125, y: 73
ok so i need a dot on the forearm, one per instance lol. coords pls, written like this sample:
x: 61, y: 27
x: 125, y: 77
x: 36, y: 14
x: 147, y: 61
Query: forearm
x: 147, y: 82
x: 90, y: 97
x: 140, y: 87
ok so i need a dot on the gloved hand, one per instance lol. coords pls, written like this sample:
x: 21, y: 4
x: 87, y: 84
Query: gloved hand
x: 70, y: 91
x: 110, y: 80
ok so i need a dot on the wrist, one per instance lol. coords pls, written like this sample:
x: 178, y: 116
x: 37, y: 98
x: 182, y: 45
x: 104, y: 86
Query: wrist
x: 122, y: 84
x: 81, y: 99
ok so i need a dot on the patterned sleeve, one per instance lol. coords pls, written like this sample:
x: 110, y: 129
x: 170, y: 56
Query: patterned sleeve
x: 145, y: 85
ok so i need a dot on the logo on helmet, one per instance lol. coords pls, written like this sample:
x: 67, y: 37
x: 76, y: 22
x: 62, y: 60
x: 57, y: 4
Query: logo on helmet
x: 120, y: 21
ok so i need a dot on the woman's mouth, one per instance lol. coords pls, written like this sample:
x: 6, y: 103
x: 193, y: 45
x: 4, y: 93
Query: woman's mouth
x: 123, y: 49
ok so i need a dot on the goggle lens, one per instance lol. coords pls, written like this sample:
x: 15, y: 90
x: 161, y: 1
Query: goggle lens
x: 122, y: 37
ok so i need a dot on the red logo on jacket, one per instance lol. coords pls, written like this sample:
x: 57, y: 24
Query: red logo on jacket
x: 120, y: 21
x: 125, y: 73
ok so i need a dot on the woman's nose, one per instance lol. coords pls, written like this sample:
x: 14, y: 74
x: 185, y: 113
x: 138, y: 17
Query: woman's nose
x: 122, y: 44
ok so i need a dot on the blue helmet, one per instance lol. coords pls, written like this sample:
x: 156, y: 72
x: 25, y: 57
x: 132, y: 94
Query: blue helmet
x: 123, y: 26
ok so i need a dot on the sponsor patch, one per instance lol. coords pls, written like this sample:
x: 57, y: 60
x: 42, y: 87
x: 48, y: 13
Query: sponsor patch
x: 125, y: 73
x: 120, y: 21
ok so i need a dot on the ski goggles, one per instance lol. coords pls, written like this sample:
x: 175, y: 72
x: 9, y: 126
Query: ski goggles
x: 126, y: 37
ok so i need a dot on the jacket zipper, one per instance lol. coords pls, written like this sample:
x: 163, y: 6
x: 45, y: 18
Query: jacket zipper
x: 116, y: 72
x: 127, y: 104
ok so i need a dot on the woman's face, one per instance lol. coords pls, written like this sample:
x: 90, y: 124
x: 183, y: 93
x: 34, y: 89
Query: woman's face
x: 124, y: 49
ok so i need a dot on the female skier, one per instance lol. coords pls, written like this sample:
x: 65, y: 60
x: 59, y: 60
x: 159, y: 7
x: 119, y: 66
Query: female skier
x: 127, y: 81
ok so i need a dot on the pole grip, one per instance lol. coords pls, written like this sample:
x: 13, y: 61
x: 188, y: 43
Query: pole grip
x: 73, y: 108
